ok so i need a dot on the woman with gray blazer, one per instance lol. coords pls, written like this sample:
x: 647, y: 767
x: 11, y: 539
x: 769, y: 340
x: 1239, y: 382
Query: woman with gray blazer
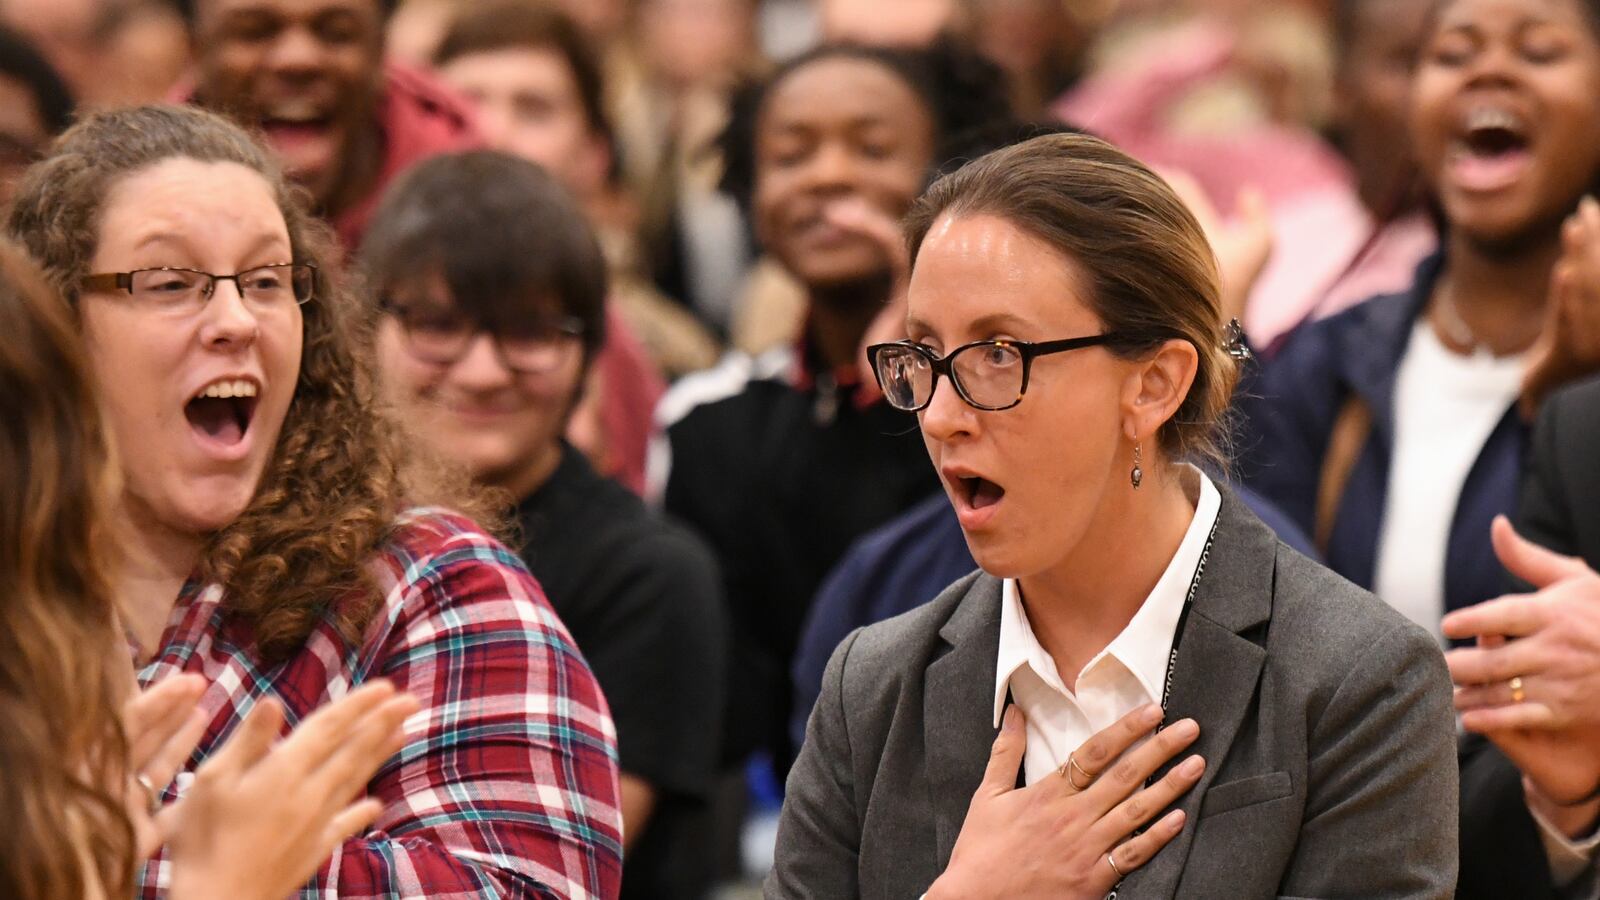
x: 1129, y: 610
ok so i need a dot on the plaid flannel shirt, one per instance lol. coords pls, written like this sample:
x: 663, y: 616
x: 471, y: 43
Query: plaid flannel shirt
x: 507, y: 785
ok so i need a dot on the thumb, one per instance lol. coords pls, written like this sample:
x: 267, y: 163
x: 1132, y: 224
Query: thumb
x: 1005, y: 758
x: 1529, y: 561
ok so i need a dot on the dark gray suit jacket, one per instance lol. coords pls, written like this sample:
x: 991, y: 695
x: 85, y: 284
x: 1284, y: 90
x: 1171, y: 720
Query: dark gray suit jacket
x: 1325, y: 720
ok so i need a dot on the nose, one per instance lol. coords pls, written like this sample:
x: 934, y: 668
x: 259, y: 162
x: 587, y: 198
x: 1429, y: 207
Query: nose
x: 228, y: 322
x: 296, y: 49
x: 1495, y: 66
x: 495, y: 118
x: 832, y: 169
x: 947, y: 416
x: 480, y: 368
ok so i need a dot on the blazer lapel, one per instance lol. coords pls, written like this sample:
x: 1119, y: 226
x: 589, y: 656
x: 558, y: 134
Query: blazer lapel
x: 958, y: 705
x: 1219, y: 665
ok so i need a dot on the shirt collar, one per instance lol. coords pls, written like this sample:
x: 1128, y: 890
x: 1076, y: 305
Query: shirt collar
x: 1144, y: 645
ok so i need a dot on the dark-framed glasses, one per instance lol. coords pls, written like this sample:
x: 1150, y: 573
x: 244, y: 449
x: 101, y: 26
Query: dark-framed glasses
x: 441, y: 334
x: 988, y: 375
x: 179, y: 290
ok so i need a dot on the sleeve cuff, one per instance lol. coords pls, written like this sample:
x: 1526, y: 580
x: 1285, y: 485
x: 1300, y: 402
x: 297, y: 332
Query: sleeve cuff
x: 1568, y: 858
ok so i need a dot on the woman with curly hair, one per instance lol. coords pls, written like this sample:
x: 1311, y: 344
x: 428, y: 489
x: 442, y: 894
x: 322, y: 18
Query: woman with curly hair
x: 75, y: 772
x: 277, y: 537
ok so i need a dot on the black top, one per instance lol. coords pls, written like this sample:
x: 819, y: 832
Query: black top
x: 1560, y: 503
x: 781, y: 478
x: 640, y: 597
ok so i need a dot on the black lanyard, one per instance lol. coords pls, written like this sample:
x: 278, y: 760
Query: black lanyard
x: 1183, y: 617
x: 1172, y: 657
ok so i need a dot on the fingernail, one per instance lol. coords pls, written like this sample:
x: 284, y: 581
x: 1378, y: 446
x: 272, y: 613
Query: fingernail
x: 1150, y: 715
x: 1175, y: 820
x: 1009, y: 721
x: 1187, y: 728
x: 1192, y: 767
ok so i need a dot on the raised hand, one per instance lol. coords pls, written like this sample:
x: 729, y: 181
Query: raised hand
x: 262, y: 814
x: 1243, y: 245
x: 1569, y: 346
x: 1053, y: 839
x: 859, y: 217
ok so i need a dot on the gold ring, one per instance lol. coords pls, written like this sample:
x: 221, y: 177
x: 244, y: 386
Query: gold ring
x: 1517, y: 693
x: 1112, y: 859
x: 1071, y: 765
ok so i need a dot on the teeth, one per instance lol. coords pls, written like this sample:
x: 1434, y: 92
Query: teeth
x: 296, y: 112
x: 226, y: 389
x: 1487, y: 117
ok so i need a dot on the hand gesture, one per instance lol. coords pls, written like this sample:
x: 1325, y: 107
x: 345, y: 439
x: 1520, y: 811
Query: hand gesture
x: 261, y: 816
x: 1243, y: 245
x: 162, y: 725
x: 1531, y: 683
x: 1569, y: 346
x: 1068, y: 835
x: 859, y: 217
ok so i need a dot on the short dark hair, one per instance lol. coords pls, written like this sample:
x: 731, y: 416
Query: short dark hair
x: 490, y: 25
x: 1149, y: 268
x: 508, y: 239
x: 186, y: 8
x: 20, y: 60
x: 963, y: 94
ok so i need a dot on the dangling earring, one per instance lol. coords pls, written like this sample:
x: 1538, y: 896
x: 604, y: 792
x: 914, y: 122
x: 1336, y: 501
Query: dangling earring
x: 1137, y: 475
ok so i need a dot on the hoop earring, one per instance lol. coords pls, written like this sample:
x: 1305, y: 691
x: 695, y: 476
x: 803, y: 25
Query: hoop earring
x: 1137, y: 475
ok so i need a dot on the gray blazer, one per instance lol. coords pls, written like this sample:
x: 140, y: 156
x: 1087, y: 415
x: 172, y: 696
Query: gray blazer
x: 1325, y: 720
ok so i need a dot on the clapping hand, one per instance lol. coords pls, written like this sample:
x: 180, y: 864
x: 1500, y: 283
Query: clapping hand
x: 1531, y: 683
x: 263, y: 814
x: 1569, y: 346
x: 162, y: 725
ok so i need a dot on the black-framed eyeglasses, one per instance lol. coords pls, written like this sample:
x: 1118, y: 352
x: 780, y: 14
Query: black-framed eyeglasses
x: 988, y: 375
x: 179, y: 290
x: 441, y: 334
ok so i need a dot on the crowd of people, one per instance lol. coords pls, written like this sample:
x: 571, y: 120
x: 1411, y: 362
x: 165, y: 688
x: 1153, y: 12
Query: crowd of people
x: 1068, y: 448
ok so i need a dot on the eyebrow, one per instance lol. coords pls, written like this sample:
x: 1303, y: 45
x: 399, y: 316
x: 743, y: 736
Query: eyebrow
x: 988, y: 324
x: 261, y: 243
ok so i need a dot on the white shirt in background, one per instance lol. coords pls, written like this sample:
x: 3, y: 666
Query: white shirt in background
x: 1445, y: 407
x: 1130, y: 672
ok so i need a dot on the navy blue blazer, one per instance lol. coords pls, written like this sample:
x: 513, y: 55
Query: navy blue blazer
x: 1290, y: 403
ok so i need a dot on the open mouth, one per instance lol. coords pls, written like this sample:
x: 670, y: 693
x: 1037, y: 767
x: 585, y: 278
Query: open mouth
x: 222, y: 412
x: 1492, y: 150
x: 981, y: 493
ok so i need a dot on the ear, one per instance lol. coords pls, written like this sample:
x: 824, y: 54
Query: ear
x: 1156, y: 388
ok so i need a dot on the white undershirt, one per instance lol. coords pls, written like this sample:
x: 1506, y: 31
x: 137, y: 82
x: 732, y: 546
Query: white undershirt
x: 1128, y: 673
x: 1445, y: 407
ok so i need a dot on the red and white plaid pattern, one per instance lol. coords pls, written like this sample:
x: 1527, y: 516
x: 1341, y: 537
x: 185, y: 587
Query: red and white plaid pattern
x: 507, y: 785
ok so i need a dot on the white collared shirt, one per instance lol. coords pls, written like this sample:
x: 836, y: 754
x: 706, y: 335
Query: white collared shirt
x: 1130, y: 672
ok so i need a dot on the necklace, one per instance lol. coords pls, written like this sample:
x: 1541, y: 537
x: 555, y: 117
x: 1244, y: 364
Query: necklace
x: 1452, y: 324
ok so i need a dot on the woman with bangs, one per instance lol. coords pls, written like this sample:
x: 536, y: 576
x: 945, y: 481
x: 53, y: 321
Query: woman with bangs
x: 1396, y: 431
x: 277, y: 541
x: 75, y: 775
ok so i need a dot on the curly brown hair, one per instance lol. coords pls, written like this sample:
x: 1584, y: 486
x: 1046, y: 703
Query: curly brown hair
x: 341, y: 471
x: 62, y: 749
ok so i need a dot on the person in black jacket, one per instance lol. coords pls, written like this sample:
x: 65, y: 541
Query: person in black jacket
x: 491, y: 290
x: 1533, y: 698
